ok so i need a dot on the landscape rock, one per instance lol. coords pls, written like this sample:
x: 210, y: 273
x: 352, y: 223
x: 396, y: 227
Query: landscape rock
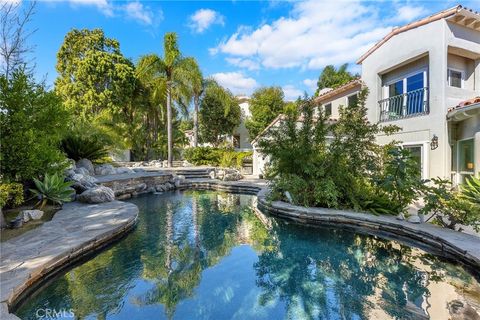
x: 104, y: 169
x: 33, y: 214
x: 69, y: 173
x: 400, y: 216
x: 414, y: 219
x: 98, y: 194
x: 82, y: 182
x: 232, y: 175
x: 212, y: 174
x: 122, y: 170
x: 82, y: 170
x: 87, y: 164
x: 160, y: 188
x: 16, y: 223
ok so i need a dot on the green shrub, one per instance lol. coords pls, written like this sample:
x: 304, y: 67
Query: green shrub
x: 77, y: 147
x: 470, y: 191
x: 32, y: 123
x: 11, y: 194
x: 53, y: 188
x: 203, y: 156
x: 450, y: 208
x: 234, y: 159
x: 399, y: 179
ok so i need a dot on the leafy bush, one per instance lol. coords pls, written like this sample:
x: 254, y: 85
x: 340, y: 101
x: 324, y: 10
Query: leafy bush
x: 399, y: 179
x: 77, y: 147
x: 32, y: 123
x: 450, y: 208
x: 216, y: 157
x: 11, y: 194
x: 203, y: 156
x: 470, y: 191
x: 53, y: 188
x: 234, y: 159
x: 337, y: 173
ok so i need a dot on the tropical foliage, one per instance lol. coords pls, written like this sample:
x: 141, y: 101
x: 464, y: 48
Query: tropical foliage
x: 93, y: 74
x: 265, y: 104
x: 32, y: 124
x: 450, y: 207
x: 11, y: 194
x: 53, y: 188
x: 338, y: 172
x: 223, y: 157
x: 333, y: 78
x: 77, y: 147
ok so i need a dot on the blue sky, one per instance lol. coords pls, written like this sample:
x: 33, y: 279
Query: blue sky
x: 243, y: 44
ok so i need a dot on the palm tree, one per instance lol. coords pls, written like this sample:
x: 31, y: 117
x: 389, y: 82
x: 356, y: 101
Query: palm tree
x: 178, y: 73
x: 198, y: 86
x: 172, y: 76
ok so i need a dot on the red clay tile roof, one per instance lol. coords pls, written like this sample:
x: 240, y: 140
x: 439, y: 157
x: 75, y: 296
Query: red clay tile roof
x: 465, y: 103
x: 347, y: 86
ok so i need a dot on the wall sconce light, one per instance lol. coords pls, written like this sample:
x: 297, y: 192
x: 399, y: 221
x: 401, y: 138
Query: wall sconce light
x: 434, y: 142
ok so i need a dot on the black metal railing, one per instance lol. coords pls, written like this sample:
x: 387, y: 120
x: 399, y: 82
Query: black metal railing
x: 413, y: 103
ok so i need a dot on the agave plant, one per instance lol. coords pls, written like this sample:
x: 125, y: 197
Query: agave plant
x: 470, y: 191
x: 53, y: 188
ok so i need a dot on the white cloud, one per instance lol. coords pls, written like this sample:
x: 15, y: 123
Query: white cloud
x: 408, y: 13
x: 103, y: 5
x: 138, y: 12
x: 291, y: 93
x: 237, y: 82
x: 244, y: 63
x: 314, y: 34
x: 10, y: 2
x: 310, y: 84
x: 202, y: 19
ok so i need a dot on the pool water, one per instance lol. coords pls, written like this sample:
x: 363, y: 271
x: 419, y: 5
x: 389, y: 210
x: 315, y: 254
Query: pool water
x: 208, y: 255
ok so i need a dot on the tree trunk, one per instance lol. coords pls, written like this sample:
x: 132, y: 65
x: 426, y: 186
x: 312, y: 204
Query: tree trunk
x: 195, y: 123
x: 3, y: 223
x: 169, y: 127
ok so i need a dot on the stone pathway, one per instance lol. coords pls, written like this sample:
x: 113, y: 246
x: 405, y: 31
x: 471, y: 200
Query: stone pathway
x: 76, y: 230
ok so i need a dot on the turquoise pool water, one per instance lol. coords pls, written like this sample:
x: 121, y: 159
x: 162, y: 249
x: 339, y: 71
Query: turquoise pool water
x: 207, y: 255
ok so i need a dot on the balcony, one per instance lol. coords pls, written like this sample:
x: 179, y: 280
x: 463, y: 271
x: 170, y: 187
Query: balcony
x: 406, y: 105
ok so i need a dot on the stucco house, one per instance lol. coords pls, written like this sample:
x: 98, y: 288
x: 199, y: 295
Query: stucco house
x: 425, y: 78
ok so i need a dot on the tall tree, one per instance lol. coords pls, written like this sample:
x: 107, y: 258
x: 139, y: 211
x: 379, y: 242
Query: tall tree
x: 93, y: 74
x: 265, y: 104
x: 332, y: 77
x: 198, y: 86
x: 178, y: 73
x: 219, y: 113
x: 13, y: 35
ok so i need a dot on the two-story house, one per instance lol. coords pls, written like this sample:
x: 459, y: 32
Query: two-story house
x: 416, y: 74
x: 425, y: 78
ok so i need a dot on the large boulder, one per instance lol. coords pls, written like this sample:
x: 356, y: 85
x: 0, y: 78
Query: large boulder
x: 87, y: 164
x: 82, y: 182
x: 104, y: 169
x: 98, y: 194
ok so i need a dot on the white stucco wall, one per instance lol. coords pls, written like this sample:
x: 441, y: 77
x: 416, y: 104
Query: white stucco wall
x: 424, y: 47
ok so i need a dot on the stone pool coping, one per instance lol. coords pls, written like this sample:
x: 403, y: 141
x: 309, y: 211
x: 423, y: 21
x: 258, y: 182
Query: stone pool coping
x: 74, y: 232
x: 30, y: 258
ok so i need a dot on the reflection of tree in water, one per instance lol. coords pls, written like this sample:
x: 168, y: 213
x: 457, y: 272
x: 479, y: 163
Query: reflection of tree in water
x: 320, y: 276
x: 196, y: 235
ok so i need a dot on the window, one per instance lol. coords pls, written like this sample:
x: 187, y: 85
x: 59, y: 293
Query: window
x: 416, y: 151
x: 455, y: 78
x: 236, y: 141
x: 327, y: 109
x: 406, y: 96
x: 352, y: 100
x: 465, y: 155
